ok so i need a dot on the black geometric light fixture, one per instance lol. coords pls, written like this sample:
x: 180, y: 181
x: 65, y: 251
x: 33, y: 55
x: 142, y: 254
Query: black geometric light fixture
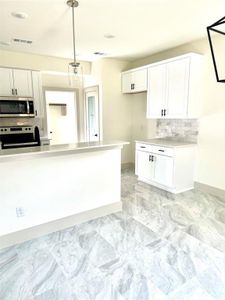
x: 217, y: 57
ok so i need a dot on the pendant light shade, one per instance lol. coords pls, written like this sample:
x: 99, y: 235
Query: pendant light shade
x: 217, y: 52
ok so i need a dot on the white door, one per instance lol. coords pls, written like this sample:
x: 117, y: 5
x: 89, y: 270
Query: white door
x: 156, y: 97
x: 6, y: 82
x: 23, y: 83
x: 145, y: 166
x: 163, y: 170
x: 126, y: 82
x: 92, y: 114
x: 177, y: 88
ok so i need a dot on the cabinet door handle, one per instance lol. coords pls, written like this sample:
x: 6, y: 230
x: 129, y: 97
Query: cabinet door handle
x: 151, y: 158
x: 164, y: 112
x: 142, y: 147
x: 13, y: 91
x: 132, y: 86
x: 161, y: 150
x: 161, y: 112
x: 16, y: 91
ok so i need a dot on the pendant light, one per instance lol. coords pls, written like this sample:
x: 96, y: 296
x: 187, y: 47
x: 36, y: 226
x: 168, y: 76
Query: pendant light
x: 217, y: 55
x: 74, y: 65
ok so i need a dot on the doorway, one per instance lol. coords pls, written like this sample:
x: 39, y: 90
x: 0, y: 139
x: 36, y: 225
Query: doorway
x: 61, y: 116
x: 92, y: 113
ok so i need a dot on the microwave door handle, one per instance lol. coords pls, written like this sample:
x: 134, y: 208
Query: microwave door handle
x: 28, y: 108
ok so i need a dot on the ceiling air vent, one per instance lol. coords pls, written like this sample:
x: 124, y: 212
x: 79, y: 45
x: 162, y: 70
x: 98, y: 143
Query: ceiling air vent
x: 99, y: 53
x: 22, y: 41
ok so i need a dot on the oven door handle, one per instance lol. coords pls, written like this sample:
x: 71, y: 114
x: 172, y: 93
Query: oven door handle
x: 20, y: 144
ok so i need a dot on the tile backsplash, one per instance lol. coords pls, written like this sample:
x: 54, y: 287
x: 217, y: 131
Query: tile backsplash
x: 180, y: 129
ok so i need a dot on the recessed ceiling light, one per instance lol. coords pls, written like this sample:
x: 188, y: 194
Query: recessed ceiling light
x: 19, y: 15
x: 109, y: 36
x: 2, y: 43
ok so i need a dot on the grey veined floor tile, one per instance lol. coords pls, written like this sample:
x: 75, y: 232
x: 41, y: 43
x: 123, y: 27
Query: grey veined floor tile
x: 161, y: 246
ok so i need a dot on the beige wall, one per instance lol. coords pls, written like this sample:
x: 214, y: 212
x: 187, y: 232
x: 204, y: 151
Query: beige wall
x: 142, y: 128
x: 210, y: 167
x: 53, y: 64
x: 123, y: 116
x: 116, y: 107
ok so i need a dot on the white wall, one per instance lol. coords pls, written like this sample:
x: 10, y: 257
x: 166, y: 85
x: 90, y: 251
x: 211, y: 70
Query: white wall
x: 210, y: 168
x: 116, y: 107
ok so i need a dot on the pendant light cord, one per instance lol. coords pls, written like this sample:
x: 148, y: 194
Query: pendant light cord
x: 74, y: 49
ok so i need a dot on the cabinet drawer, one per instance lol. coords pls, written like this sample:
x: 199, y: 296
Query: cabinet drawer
x: 144, y: 147
x: 162, y: 150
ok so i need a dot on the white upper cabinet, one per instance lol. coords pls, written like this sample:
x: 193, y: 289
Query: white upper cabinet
x: 23, y: 83
x: 157, y: 87
x: 174, y: 88
x: 38, y: 94
x: 15, y: 82
x: 177, y: 88
x: 6, y: 82
x: 134, y: 81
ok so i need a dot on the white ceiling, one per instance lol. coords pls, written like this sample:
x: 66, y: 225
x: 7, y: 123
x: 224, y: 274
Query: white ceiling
x: 141, y: 27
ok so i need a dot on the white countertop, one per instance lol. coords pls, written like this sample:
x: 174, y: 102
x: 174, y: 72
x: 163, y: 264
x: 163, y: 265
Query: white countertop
x: 166, y: 142
x: 65, y: 149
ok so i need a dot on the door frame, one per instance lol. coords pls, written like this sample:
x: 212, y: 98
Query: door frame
x: 92, y: 89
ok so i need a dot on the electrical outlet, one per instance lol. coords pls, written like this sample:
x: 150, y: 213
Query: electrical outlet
x: 20, y: 212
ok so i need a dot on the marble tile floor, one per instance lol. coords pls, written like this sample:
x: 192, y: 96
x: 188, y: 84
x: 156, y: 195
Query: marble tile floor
x: 161, y: 246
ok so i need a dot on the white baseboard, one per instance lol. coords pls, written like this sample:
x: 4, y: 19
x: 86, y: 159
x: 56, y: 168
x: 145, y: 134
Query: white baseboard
x: 210, y: 189
x: 43, y: 229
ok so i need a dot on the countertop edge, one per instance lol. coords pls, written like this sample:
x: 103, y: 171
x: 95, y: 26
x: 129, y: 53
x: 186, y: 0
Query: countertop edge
x: 166, y: 143
x: 53, y: 150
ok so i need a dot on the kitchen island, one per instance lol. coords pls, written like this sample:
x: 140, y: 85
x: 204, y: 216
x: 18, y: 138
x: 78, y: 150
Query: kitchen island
x: 48, y: 188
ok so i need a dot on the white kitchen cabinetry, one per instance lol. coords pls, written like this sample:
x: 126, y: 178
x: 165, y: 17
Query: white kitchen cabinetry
x: 134, y: 81
x: 6, y: 82
x: 174, y: 88
x: 163, y: 170
x: 38, y: 94
x: 144, y: 166
x: 15, y: 83
x: 168, y: 168
x: 156, y: 96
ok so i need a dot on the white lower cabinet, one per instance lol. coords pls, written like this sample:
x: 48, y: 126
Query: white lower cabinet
x: 163, y: 166
x: 144, y: 167
x: 169, y: 168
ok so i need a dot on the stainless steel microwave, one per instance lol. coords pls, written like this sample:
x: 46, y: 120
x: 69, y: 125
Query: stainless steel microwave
x: 16, y: 107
